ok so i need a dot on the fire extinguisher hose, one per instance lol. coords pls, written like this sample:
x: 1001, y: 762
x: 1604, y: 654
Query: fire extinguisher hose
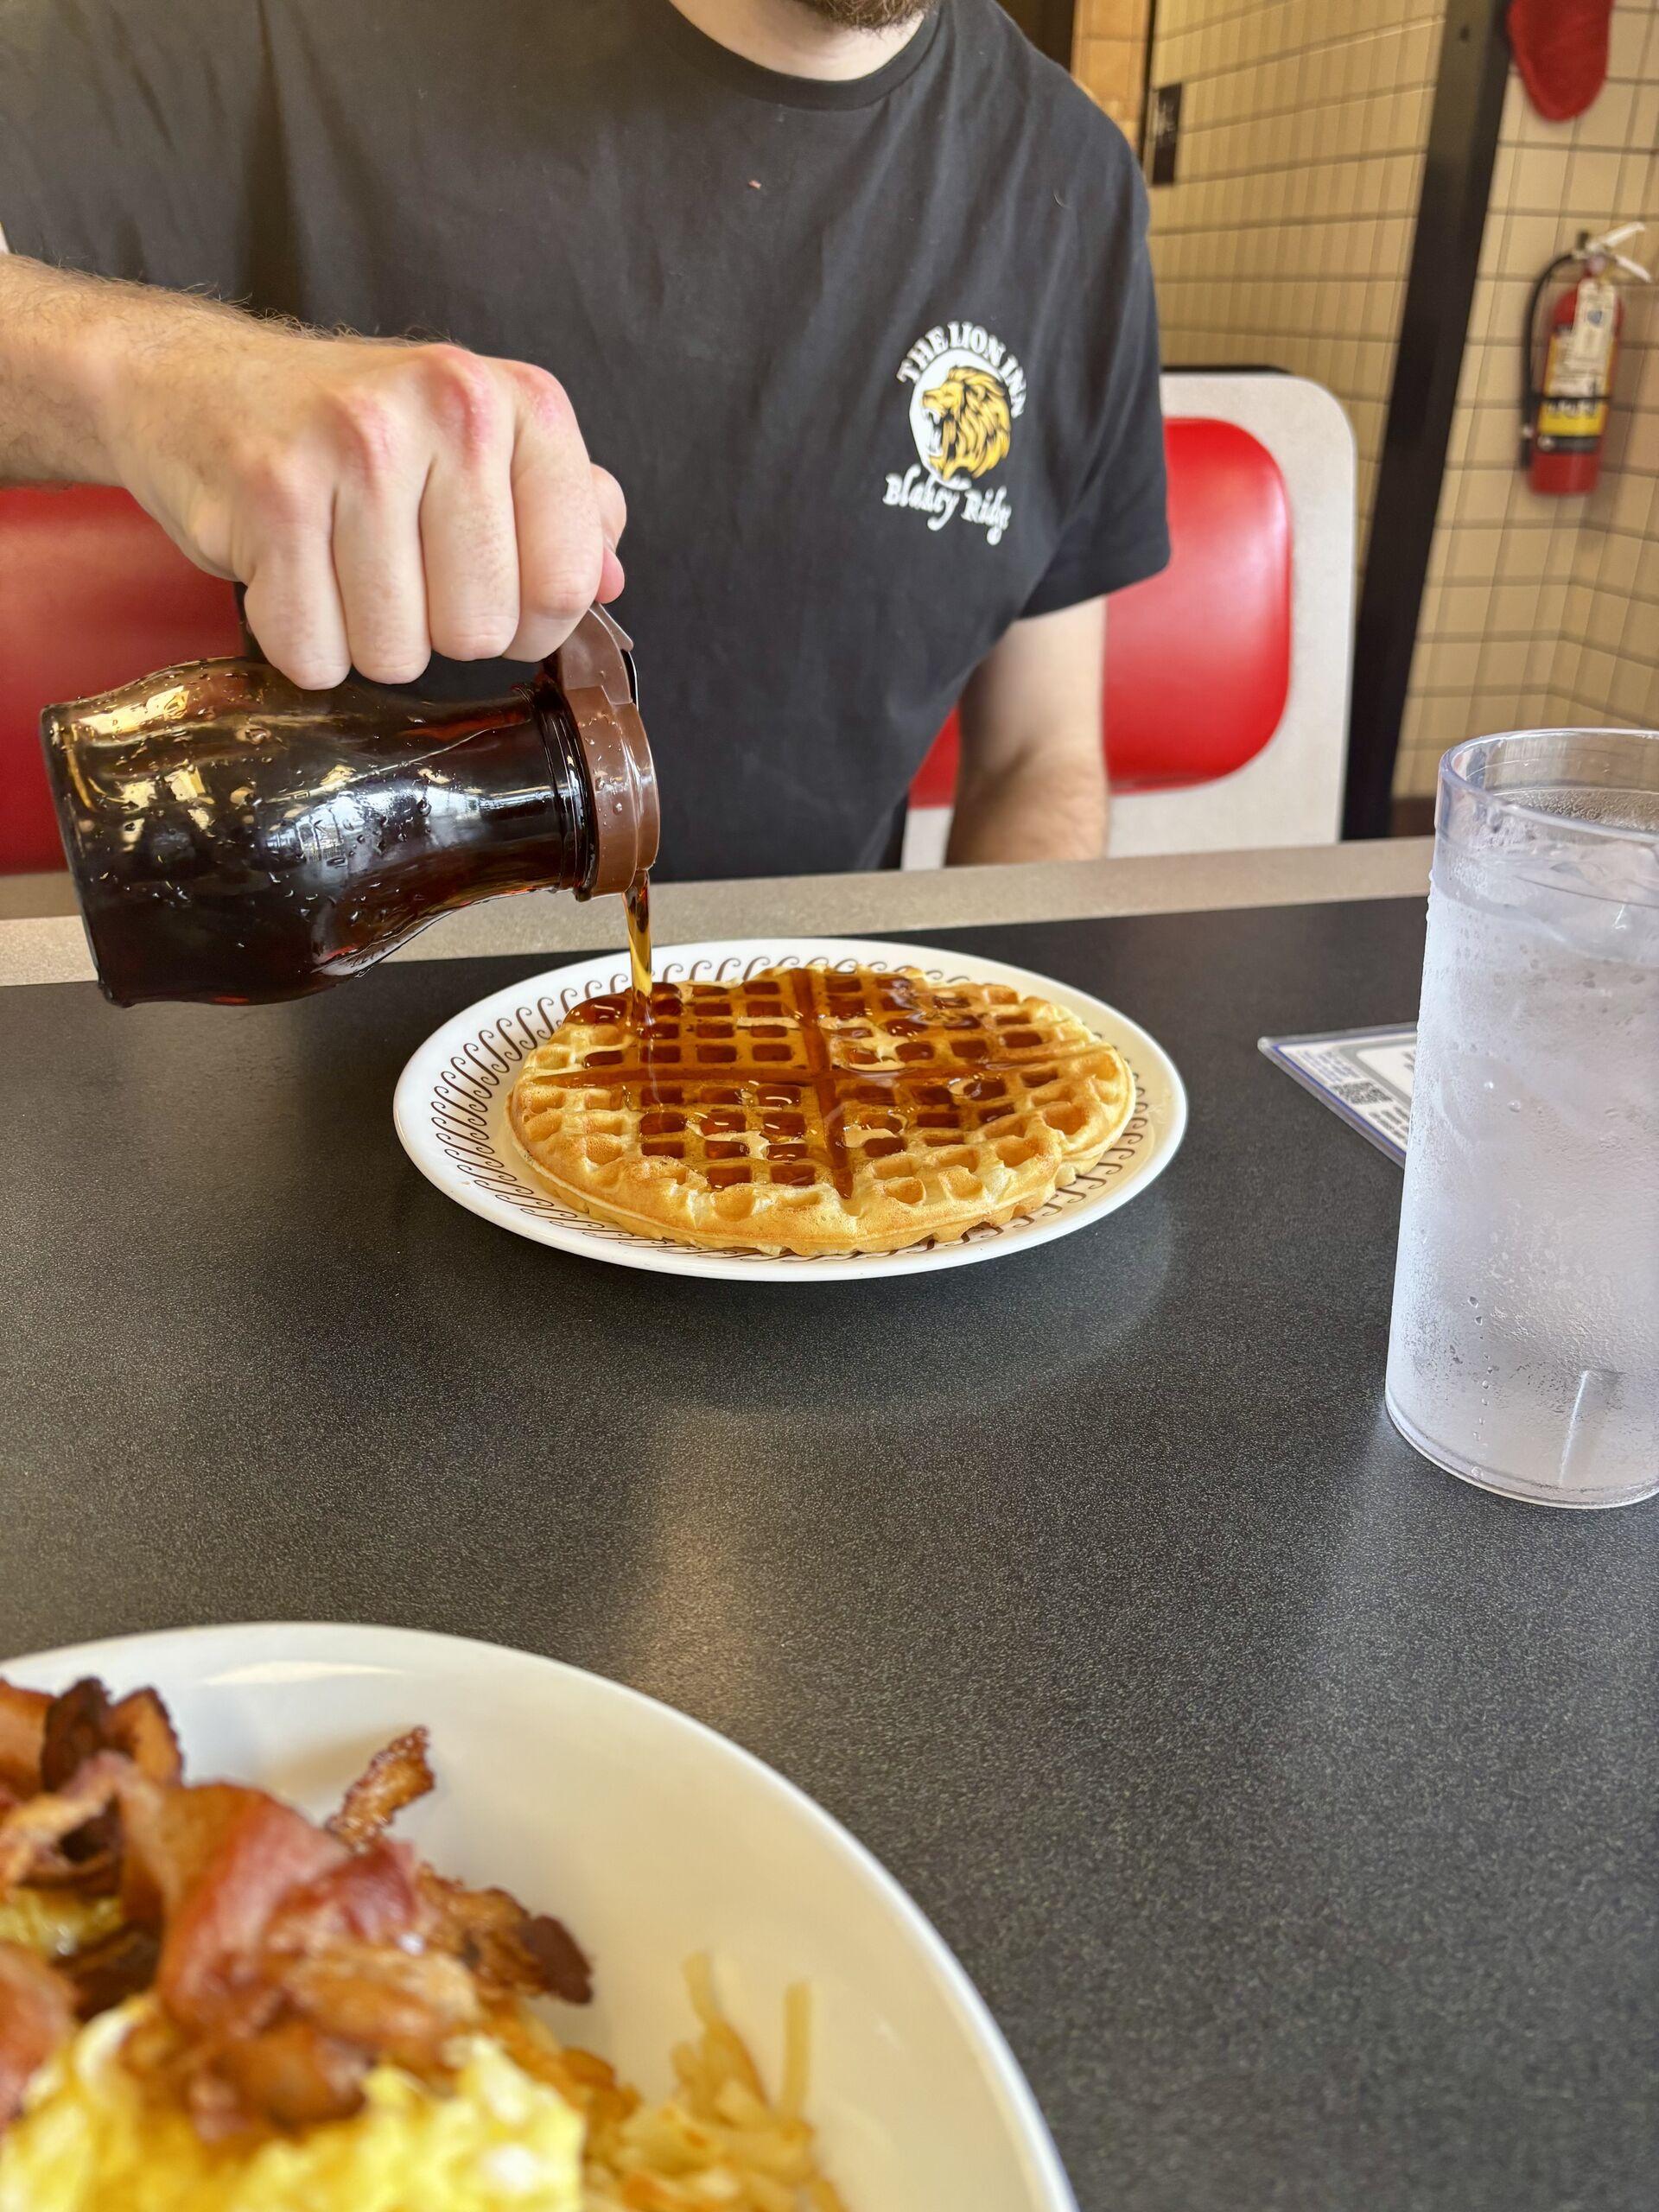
x: 1532, y: 391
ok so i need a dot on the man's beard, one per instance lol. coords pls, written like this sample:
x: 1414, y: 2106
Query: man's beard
x: 870, y: 15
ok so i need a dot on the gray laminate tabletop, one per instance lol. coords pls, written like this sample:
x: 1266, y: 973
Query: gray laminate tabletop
x: 1292, y: 1804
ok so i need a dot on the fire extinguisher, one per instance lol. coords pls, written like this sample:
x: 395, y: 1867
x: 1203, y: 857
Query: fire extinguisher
x: 1565, y: 412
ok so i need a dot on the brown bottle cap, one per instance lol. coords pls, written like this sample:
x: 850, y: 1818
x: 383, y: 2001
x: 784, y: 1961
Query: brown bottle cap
x: 591, y: 670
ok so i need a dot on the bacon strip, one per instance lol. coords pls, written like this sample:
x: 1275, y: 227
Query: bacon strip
x: 83, y: 1722
x: 213, y: 1864
x: 31, y: 1832
x: 375, y: 1897
x: 394, y: 1777
x: 291, y: 2073
x: 507, y: 1948
x: 77, y: 1729
x: 405, y: 2006
x: 106, y: 1974
x: 333, y: 2016
x: 23, y: 1728
x: 286, y: 1960
x: 46, y: 1743
x: 37, y: 2014
x: 141, y: 1728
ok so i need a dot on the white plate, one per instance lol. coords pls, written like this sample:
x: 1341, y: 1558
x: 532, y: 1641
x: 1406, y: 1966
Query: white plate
x: 451, y: 1111
x: 653, y: 1838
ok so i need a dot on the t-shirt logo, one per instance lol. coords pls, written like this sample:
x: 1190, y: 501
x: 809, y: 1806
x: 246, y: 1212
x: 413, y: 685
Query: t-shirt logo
x: 967, y: 391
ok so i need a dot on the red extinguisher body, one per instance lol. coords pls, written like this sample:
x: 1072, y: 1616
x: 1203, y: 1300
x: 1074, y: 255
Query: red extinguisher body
x: 1580, y: 351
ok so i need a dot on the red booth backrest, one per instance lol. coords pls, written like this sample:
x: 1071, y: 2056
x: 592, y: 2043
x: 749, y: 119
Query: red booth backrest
x: 1198, y: 661
x: 92, y: 592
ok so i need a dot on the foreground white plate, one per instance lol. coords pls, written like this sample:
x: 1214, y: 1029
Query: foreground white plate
x: 653, y: 1838
x: 451, y: 1111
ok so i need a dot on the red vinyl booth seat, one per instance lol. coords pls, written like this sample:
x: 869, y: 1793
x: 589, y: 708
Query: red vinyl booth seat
x: 93, y: 592
x: 1198, y: 661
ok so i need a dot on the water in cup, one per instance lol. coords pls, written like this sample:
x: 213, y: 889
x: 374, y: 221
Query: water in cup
x: 1524, y: 1353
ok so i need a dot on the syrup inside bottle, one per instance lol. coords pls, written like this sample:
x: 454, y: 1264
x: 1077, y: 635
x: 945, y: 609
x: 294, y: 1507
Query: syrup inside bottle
x: 235, y: 840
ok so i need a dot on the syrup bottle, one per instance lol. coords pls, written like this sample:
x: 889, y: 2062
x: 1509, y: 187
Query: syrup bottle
x: 236, y: 840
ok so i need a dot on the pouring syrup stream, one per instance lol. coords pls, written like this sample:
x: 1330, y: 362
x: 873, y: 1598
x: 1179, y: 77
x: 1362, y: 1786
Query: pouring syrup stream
x: 637, y: 901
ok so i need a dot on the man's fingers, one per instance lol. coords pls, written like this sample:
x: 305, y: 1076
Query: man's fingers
x: 556, y: 513
x: 382, y: 586
x: 611, y: 579
x: 613, y: 521
x: 612, y: 507
x: 472, y: 563
x: 397, y: 501
x: 293, y: 608
x: 466, y: 529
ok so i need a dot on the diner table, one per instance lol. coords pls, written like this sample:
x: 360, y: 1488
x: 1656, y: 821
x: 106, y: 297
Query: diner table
x: 1291, y: 1803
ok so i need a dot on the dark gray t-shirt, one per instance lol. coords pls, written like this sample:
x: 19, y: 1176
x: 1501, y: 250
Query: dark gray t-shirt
x: 876, y: 363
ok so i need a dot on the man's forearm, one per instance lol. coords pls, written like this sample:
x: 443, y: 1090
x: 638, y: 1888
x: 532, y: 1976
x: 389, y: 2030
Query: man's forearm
x: 1033, y: 783
x: 380, y: 500
x: 1035, y: 809
x: 63, y: 340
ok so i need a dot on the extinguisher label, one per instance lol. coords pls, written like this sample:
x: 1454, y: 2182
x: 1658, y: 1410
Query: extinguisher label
x: 1573, y: 412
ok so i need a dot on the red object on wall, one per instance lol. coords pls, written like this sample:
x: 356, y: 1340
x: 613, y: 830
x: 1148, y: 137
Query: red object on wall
x: 92, y: 594
x: 1198, y: 659
x: 1561, y: 49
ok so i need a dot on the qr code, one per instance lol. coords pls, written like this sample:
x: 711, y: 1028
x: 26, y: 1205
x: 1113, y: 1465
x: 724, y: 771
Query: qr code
x: 1360, y: 1093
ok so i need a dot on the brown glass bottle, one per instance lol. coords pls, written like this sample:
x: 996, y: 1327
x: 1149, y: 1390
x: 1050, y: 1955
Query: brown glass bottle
x: 236, y: 840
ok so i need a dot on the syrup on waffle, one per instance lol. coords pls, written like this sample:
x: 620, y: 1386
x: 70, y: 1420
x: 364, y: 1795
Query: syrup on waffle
x: 817, y: 1110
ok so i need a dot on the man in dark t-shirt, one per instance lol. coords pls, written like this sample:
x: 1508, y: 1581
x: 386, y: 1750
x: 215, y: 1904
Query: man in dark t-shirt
x: 850, y: 297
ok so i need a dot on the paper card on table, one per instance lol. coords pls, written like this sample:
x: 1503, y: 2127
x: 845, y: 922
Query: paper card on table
x: 1365, y: 1075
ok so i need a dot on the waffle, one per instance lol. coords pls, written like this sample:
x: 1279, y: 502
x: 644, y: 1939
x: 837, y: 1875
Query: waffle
x: 814, y: 1109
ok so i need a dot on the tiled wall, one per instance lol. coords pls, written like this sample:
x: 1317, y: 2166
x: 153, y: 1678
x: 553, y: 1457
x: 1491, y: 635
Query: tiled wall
x: 1109, y: 57
x: 1543, y: 609
x: 1287, y: 235
x: 1285, y: 240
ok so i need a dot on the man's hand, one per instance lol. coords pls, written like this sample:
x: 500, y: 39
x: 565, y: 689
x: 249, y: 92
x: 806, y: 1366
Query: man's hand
x: 1031, y: 786
x: 381, y: 501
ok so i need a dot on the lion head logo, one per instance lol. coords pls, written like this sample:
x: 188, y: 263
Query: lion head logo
x: 968, y: 410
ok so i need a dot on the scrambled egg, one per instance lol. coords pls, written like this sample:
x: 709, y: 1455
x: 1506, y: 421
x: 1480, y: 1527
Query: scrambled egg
x: 57, y: 1923
x: 87, y: 2142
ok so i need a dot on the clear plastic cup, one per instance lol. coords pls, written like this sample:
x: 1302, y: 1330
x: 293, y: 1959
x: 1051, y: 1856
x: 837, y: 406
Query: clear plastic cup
x: 1524, y: 1350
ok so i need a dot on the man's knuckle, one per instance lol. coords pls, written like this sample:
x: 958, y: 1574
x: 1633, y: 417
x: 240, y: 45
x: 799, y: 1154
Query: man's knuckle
x: 475, y: 635
x: 545, y: 399
x: 277, y: 486
x: 311, y: 669
x: 565, y: 586
x: 563, y: 581
x: 366, y: 433
x: 464, y: 399
x: 391, y: 663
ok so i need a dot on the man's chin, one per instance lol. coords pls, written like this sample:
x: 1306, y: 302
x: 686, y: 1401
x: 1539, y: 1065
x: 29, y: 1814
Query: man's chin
x: 870, y: 15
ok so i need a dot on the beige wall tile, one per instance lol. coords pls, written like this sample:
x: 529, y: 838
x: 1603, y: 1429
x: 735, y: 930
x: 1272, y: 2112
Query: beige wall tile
x: 1537, y: 178
x: 1627, y: 38
x: 1124, y: 19
x: 1593, y: 187
x: 1503, y: 664
x: 1514, y: 610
